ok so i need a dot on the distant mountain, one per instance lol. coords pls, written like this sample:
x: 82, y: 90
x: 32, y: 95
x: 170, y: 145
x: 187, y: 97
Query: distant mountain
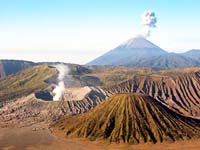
x: 193, y: 54
x: 129, y: 53
x: 139, y: 52
x: 166, y: 61
x: 130, y: 118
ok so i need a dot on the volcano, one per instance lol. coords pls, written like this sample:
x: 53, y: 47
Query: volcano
x: 130, y: 118
x: 139, y: 52
x: 129, y: 53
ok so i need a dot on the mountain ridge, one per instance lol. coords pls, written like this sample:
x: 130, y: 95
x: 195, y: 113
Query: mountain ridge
x: 139, y: 52
x: 169, y: 89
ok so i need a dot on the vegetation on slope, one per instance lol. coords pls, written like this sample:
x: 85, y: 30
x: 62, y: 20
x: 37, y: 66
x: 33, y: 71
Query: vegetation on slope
x: 130, y: 118
x: 110, y: 75
x: 174, y: 72
x: 25, y: 82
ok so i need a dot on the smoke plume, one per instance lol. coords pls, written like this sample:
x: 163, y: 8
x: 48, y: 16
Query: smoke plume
x: 60, y: 88
x: 149, y: 21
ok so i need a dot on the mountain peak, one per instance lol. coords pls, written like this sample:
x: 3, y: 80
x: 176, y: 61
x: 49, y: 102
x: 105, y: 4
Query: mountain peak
x: 138, y: 42
x: 129, y: 53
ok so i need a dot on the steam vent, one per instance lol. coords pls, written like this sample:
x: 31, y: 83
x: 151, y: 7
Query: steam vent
x: 130, y: 118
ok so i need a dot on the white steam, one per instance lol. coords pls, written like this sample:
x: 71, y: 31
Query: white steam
x: 149, y: 21
x: 60, y: 88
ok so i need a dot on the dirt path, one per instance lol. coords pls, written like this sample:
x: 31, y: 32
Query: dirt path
x: 38, y: 138
x: 20, y: 138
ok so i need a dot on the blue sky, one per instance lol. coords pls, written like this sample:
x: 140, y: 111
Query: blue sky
x: 77, y: 31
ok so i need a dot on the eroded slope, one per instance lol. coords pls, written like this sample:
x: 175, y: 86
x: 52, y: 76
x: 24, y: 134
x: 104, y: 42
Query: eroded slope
x: 182, y: 92
x: 130, y: 118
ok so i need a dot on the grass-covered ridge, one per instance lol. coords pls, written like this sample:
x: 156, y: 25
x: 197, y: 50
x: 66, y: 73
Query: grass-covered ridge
x: 130, y: 118
x: 25, y: 82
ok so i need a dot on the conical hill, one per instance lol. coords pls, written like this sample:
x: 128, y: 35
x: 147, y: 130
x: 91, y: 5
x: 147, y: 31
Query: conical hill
x: 130, y: 118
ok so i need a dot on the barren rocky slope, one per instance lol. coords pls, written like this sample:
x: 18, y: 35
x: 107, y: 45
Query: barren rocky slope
x: 177, y: 89
x: 130, y: 118
x: 29, y: 110
x: 182, y: 92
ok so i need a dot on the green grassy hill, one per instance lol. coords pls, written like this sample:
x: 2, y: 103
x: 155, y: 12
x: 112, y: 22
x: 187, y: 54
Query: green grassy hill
x: 25, y: 82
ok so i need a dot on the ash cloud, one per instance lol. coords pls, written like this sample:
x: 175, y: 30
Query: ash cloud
x: 149, y: 21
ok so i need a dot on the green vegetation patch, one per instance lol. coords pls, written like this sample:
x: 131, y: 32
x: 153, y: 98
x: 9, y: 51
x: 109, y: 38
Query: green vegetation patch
x: 25, y: 82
